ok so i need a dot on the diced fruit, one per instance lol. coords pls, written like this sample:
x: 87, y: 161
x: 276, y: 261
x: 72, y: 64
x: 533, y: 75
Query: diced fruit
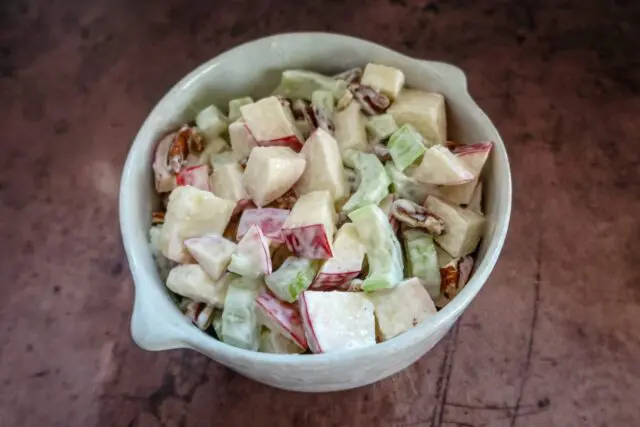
x: 475, y: 204
x: 440, y: 166
x: 273, y: 342
x: 425, y: 111
x: 308, y: 231
x: 387, y: 80
x: 402, y: 308
x: 239, y: 322
x: 386, y: 205
x: 422, y: 260
x: 252, y: 257
x: 281, y: 317
x: 301, y: 84
x: 234, y: 107
x: 324, y: 169
x: 374, y: 182
x: 213, y: 253
x: 226, y: 182
x: 406, y: 146
x: 381, y: 127
x: 269, y: 220
x: 192, y: 212
x: 454, y: 276
x: 242, y: 142
x: 211, y: 122
x: 384, y: 253
x: 322, y: 103
x: 416, y: 216
x: 191, y: 281
x: 271, y: 172
x: 293, y: 277
x: 196, y: 176
x: 464, y: 227
x: 271, y: 124
x: 350, y: 129
x: 406, y: 187
x: 199, y: 313
x: 165, y: 180
x: 474, y: 157
x: 346, y: 264
x: 335, y: 321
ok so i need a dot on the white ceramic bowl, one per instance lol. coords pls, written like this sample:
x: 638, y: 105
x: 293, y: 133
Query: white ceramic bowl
x: 254, y: 68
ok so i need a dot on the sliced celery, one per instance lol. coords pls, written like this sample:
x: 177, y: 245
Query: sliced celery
x: 422, y: 260
x: 406, y: 146
x: 374, y: 182
x: 292, y: 278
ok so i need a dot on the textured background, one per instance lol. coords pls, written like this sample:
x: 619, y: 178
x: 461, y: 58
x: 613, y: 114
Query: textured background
x: 552, y: 339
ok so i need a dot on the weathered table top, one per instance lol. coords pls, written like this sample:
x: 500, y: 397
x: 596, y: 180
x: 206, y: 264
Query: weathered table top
x: 552, y: 339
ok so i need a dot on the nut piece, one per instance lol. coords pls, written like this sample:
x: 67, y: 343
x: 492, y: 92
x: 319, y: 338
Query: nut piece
x: 157, y: 218
x: 186, y: 141
x: 350, y: 76
x: 372, y: 101
x: 417, y: 216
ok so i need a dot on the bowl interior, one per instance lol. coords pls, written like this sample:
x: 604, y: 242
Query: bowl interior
x: 254, y: 69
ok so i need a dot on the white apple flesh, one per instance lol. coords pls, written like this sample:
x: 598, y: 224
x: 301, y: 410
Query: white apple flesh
x: 196, y: 176
x: 346, y: 264
x: 213, y: 253
x: 252, y: 258
x: 282, y: 317
x: 269, y: 220
x: 191, y: 281
x: 271, y: 124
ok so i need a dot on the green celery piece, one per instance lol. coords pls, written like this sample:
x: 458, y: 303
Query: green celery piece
x: 381, y: 127
x: 406, y: 146
x: 384, y: 253
x: 211, y: 122
x: 374, y: 182
x: 239, y: 322
x: 405, y: 187
x: 234, y: 107
x: 322, y: 99
x: 301, y: 84
x: 422, y: 260
x: 292, y: 278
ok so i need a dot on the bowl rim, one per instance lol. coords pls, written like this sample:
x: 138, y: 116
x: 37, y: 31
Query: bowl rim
x: 191, y: 337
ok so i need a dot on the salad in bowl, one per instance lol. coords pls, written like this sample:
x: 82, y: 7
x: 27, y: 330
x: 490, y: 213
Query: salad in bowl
x: 333, y: 214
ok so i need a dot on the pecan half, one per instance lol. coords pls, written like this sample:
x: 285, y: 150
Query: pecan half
x: 286, y: 201
x: 350, y: 76
x: 371, y: 101
x: 302, y: 110
x: 157, y: 218
x: 449, y: 277
x: 415, y: 215
x: 187, y: 140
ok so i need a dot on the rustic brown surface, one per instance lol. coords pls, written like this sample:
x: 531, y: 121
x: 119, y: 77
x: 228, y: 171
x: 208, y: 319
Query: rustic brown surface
x: 551, y: 340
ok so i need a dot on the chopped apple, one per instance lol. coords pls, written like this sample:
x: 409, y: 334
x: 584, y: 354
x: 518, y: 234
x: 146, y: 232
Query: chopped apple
x: 213, y: 253
x: 214, y: 148
x: 211, y: 122
x: 350, y: 130
x: 226, y: 182
x: 374, y: 183
x: 240, y: 326
x: 387, y: 80
x: 191, y: 281
x: 196, y: 176
x: 242, y: 142
x: 192, y: 212
x: 271, y: 172
x: 271, y: 124
x: 475, y: 204
x: 269, y: 220
x: 308, y: 231
x: 464, y: 227
x: 165, y: 180
x: 163, y: 264
x: 273, y: 342
x: 406, y: 187
x: 440, y: 166
x: 281, y: 317
x: 422, y: 260
x: 346, y: 264
x: 381, y: 127
x: 384, y: 253
x: 234, y: 107
x: 324, y: 169
x: 402, y: 308
x: 425, y: 111
x: 474, y: 156
x: 252, y: 257
x: 199, y: 313
x: 301, y: 84
x: 293, y: 277
x: 335, y: 321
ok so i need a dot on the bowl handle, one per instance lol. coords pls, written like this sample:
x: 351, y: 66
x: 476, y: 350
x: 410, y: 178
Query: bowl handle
x: 152, y: 331
x: 451, y: 72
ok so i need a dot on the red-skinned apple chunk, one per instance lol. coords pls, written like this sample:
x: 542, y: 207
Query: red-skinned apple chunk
x: 269, y: 220
x: 281, y: 317
x: 242, y: 142
x: 226, y: 182
x: 336, y: 321
x: 346, y: 264
x: 165, y: 180
x: 213, y: 253
x: 308, y: 231
x: 196, y: 176
x: 252, y: 258
x: 439, y: 166
x: 271, y: 172
x: 474, y: 157
x: 324, y: 169
x: 271, y: 124
x: 192, y: 212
